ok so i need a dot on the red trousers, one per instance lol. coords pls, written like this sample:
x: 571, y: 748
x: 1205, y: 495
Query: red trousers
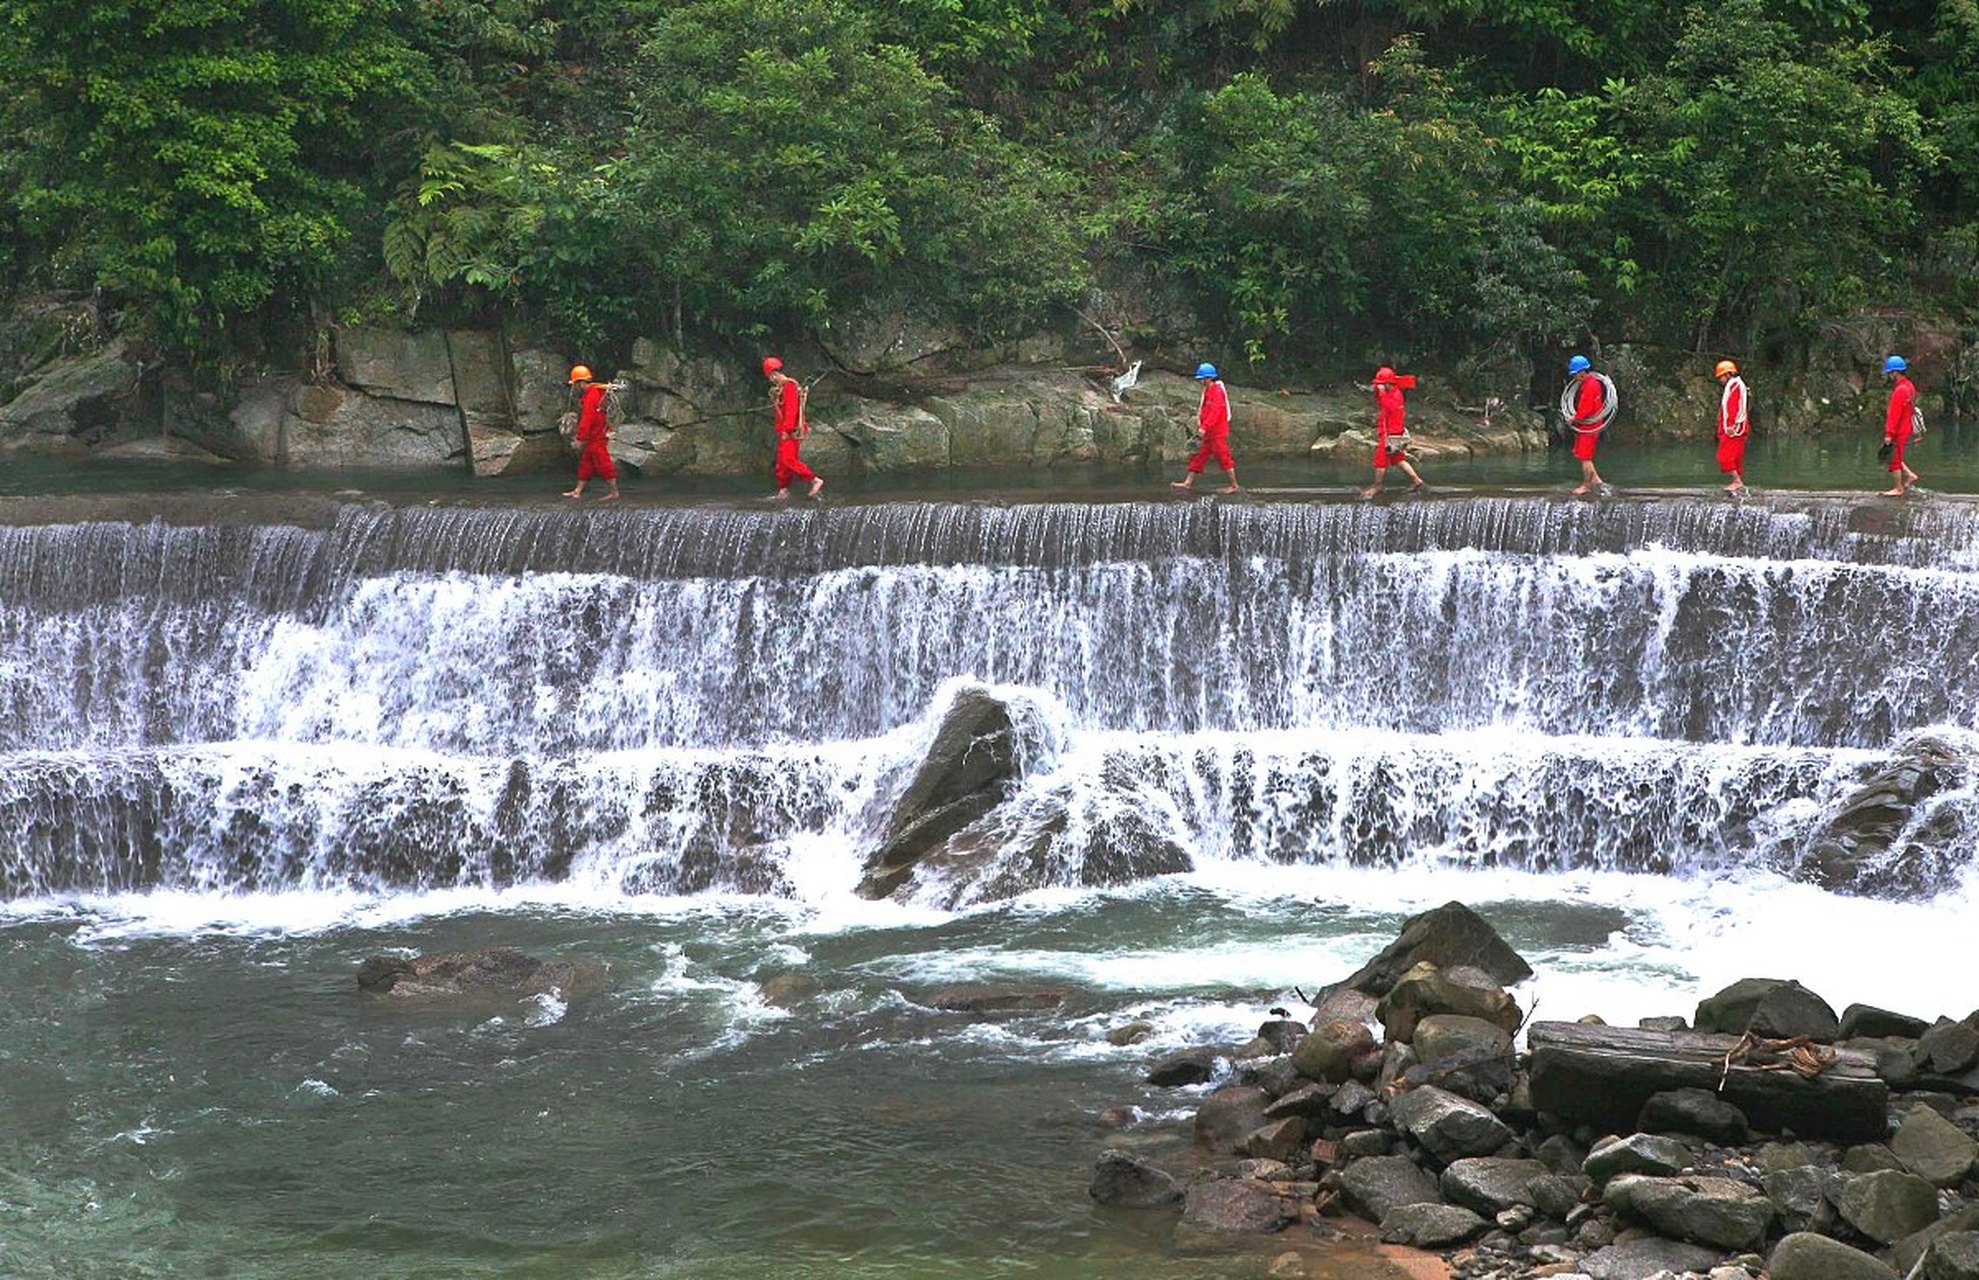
x: 1217, y: 447
x: 1896, y: 454
x: 596, y: 460
x: 1731, y: 454
x: 789, y: 466
x: 1584, y: 442
x: 1384, y: 457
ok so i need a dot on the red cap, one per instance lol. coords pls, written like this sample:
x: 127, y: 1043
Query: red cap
x: 1384, y: 374
x: 770, y: 365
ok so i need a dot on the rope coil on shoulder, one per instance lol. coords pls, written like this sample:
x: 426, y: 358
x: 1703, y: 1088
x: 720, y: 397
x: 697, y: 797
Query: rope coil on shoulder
x: 1738, y: 426
x: 1608, y: 404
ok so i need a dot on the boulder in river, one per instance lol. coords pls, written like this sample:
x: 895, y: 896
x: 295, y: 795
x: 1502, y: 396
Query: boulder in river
x: 970, y: 769
x: 1887, y: 838
x: 1446, y: 936
x: 1772, y: 1007
x: 498, y: 972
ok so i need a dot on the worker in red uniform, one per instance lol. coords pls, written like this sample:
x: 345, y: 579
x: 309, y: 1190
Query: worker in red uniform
x: 594, y: 434
x: 1898, y: 423
x: 1588, y: 417
x: 1213, y: 420
x: 1734, y: 424
x: 791, y: 428
x: 1391, y: 432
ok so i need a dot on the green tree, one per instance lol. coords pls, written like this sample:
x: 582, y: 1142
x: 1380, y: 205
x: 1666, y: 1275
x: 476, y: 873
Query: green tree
x: 199, y: 156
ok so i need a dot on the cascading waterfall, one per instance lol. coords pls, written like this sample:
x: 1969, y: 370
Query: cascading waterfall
x: 664, y: 701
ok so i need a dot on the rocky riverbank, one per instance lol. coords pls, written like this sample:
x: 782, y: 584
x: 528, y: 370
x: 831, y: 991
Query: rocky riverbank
x: 1762, y: 1135
x: 900, y: 402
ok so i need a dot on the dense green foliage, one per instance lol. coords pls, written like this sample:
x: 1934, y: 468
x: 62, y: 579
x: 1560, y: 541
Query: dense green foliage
x: 1313, y: 179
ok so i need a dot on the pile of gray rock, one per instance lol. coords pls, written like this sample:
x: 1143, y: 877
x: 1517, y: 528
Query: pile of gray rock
x: 1764, y: 1136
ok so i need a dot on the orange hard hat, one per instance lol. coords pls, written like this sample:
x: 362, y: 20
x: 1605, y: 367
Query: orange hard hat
x: 1724, y: 367
x: 580, y: 373
x: 1384, y: 374
x: 770, y: 365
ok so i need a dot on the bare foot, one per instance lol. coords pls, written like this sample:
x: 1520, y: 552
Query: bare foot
x: 1417, y: 487
x: 1892, y: 493
x: 781, y: 495
x: 1580, y: 491
x: 573, y: 493
x: 1183, y: 485
x: 609, y: 497
x: 1370, y: 491
x: 817, y: 483
x: 1230, y: 488
x: 1734, y: 487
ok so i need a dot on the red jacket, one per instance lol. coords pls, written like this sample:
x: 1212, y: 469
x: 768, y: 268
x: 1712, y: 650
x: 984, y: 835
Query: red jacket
x: 1214, y: 416
x: 1589, y: 401
x: 1903, y: 402
x: 789, y: 411
x: 1388, y: 412
x: 591, y: 423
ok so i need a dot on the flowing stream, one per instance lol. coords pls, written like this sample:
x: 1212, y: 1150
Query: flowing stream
x: 240, y: 754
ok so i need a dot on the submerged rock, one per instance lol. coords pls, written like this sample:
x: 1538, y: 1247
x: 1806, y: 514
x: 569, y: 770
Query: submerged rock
x: 1123, y: 1181
x: 495, y: 971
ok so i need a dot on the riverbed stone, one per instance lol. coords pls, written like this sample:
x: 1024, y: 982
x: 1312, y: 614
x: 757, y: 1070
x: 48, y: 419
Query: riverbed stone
x: 1489, y: 1184
x: 1800, y: 1197
x: 1933, y: 1148
x: 1704, y: 1210
x: 1309, y: 1099
x: 1693, y: 1111
x: 1906, y: 1252
x: 1949, y: 1047
x: 1887, y: 1205
x: 1447, y: 1126
x: 1184, y: 1067
x: 1868, y: 1021
x: 1431, y: 1226
x: 1871, y: 844
x: 1374, y: 1186
x: 1447, y: 936
x: 490, y: 972
x: 1442, y: 1037
x: 992, y: 997
x: 1869, y: 1157
x: 1428, y: 989
x: 1122, y: 1180
x: 1955, y: 1256
x: 1648, y: 1153
x: 1276, y: 1139
x: 1330, y: 1051
x: 1647, y: 1257
x: 1772, y: 1007
x: 1231, y: 1206
x: 1806, y: 1256
x: 1226, y: 1119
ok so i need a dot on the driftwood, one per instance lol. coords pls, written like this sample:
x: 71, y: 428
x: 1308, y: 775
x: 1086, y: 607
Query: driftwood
x: 1603, y: 1075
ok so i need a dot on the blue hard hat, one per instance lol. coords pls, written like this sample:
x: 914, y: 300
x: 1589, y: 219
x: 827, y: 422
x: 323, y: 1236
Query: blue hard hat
x: 1205, y: 370
x: 1579, y: 364
x: 1895, y: 364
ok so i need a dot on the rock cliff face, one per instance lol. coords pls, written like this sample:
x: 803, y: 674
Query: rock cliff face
x: 900, y: 398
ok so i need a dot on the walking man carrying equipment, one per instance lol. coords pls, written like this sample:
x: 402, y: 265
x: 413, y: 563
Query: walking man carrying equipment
x: 594, y: 434
x: 1213, y: 420
x: 1587, y: 405
x: 1899, y: 424
x: 1734, y: 427
x: 1391, y: 432
x: 791, y: 428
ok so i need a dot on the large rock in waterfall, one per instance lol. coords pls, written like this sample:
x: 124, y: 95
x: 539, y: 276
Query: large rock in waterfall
x: 1886, y: 838
x: 493, y: 973
x: 970, y: 769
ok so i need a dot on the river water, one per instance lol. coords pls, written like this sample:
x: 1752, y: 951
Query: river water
x: 251, y: 744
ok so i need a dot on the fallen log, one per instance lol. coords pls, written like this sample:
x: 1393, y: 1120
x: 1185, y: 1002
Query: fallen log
x: 1603, y: 1075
